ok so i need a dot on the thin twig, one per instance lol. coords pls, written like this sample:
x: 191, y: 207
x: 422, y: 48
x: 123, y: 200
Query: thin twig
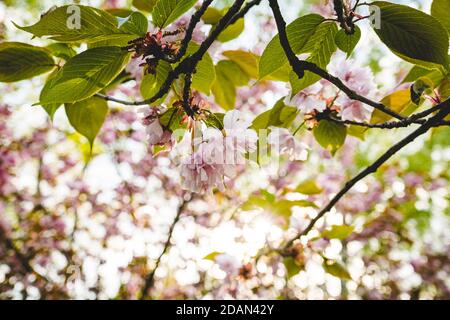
x: 187, y: 94
x: 361, y: 18
x: 383, y: 125
x: 190, y: 30
x: 221, y: 25
x: 431, y: 122
x: 244, y: 10
x: 187, y: 65
x: 344, y: 16
x: 300, y: 66
x: 22, y: 258
x: 149, y: 280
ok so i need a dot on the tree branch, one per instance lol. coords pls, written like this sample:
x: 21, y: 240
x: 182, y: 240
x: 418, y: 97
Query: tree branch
x: 244, y: 10
x: 187, y: 94
x: 187, y: 65
x: 300, y: 66
x: 151, y: 276
x: 385, y: 125
x: 431, y: 122
x: 190, y: 30
x: 22, y: 258
x: 344, y: 16
x: 221, y: 25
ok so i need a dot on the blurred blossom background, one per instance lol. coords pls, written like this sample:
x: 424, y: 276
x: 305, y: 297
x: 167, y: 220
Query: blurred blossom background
x: 79, y: 227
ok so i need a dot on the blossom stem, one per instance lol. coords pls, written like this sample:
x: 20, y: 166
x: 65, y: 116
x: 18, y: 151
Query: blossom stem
x: 298, y: 128
x: 190, y: 30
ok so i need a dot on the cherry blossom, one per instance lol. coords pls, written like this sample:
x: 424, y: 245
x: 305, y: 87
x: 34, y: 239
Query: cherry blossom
x: 359, y: 79
x: 282, y: 140
x: 200, y: 176
x: 217, y: 154
x: 353, y: 110
x: 308, y: 100
x: 157, y: 135
x: 228, y: 263
x: 238, y: 137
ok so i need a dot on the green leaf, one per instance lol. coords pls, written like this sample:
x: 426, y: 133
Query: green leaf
x: 299, y: 32
x: 281, y: 207
x: 84, y: 147
x: 247, y: 61
x: 205, y: 73
x: 62, y: 50
x: 228, y: 76
x: 123, y: 77
x: 284, y: 207
x: 270, y: 197
x: 321, y: 45
x: 232, y: 31
x: 330, y: 135
x: 135, y: 24
x: 280, y: 115
x: 444, y: 91
x: 338, y: 232
x: 298, y: 85
x: 399, y: 101
x: 336, y: 269
x: 119, y: 12
x: 87, y: 116
x: 144, y: 5
x: 51, y: 109
x: 283, y: 74
x: 167, y: 11
x: 151, y: 83
x: 172, y: 119
x: 357, y: 131
x: 412, y: 34
x: 347, y: 42
x: 291, y: 266
x: 444, y: 88
x: 215, y: 120
x: 308, y: 187
x: 95, y: 25
x: 440, y: 10
x: 212, y: 256
x: 157, y: 149
x: 85, y: 75
x: 224, y: 92
x: 419, y: 87
x: 255, y: 202
x: 212, y: 16
x: 233, y: 72
x: 416, y: 72
x: 19, y: 61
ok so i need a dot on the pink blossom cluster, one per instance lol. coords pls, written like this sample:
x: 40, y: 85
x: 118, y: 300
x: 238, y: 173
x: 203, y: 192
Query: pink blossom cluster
x: 157, y: 134
x: 213, y: 154
x: 216, y: 153
x: 322, y: 95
